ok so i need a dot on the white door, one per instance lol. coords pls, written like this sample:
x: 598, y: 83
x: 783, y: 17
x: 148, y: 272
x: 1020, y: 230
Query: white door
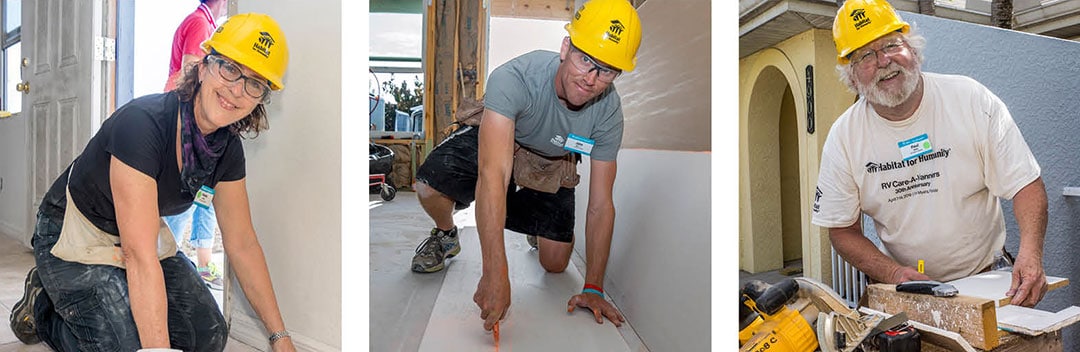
x: 64, y: 103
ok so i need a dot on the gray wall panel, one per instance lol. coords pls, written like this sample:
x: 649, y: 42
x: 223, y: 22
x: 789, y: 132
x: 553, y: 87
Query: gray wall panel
x: 1039, y: 79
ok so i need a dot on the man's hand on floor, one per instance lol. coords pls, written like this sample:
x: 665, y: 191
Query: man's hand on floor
x: 599, y: 306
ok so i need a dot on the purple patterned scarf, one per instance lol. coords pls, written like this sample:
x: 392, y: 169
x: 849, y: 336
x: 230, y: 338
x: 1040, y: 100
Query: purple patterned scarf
x: 200, y: 153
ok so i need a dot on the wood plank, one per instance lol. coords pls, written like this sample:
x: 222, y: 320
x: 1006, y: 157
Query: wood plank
x: 557, y: 10
x: 993, y: 285
x: 1050, y: 342
x: 1034, y: 322
x: 430, y: 45
x: 823, y: 296
x: 973, y: 318
x: 454, y: 60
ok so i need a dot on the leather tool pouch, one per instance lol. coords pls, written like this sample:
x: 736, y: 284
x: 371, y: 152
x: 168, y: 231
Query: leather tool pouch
x: 537, y: 172
x: 469, y: 113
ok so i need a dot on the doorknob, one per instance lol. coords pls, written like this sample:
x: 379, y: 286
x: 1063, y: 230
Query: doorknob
x: 23, y: 87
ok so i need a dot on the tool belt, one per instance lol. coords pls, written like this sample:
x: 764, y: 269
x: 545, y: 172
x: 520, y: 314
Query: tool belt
x: 544, y: 174
x: 469, y: 113
x: 82, y: 242
x: 531, y: 170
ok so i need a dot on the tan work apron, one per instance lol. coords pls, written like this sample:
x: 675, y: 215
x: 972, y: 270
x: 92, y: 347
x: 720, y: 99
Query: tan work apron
x: 82, y: 242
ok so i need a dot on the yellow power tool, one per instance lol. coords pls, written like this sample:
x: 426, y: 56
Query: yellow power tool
x: 768, y: 324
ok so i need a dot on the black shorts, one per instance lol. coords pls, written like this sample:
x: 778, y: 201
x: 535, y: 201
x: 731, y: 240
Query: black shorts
x: 451, y: 168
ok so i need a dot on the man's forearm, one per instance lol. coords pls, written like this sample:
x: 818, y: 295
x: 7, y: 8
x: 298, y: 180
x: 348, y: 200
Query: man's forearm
x: 491, y: 219
x: 495, y: 159
x: 1029, y: 207
x: 856, y: 249
x: 599, y: 225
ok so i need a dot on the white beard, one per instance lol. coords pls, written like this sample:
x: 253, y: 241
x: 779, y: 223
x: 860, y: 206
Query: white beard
x: 891, y: 99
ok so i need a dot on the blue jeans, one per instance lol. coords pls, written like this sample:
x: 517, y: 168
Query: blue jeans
x: 202, y: 221
x: 87, y: 308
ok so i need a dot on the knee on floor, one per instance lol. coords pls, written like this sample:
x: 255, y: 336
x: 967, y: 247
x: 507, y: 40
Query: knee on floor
x: 554, y: 265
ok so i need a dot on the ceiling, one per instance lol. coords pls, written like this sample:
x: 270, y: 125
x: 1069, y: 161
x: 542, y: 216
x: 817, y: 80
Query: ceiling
x: 765, y: 23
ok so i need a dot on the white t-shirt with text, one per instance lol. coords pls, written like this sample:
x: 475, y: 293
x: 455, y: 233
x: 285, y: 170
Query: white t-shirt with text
x: 930, y: 182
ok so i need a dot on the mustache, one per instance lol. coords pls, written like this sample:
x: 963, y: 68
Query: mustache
x: 888, y: 71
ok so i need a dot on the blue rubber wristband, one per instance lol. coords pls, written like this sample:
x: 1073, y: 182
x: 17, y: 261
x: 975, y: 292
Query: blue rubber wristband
x: 593, y: 291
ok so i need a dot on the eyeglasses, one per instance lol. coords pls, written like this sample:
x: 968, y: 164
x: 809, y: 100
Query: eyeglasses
x: 867, y: 56
x: 586, y: 64
x: 232, y: 73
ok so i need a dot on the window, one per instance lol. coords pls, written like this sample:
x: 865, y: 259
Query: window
x: 10, y: 41
x: 397, y: 75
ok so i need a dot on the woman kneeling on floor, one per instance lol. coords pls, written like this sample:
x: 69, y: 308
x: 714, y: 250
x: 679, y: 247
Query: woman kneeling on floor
x: 108, y: 274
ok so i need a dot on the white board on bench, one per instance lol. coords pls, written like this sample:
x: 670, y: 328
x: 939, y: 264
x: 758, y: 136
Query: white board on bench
x: 992, y: 285
x: 1034, y: 322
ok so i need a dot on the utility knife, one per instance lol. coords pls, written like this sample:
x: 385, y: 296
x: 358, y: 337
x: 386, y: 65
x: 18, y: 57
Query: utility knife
x: 928, y: 287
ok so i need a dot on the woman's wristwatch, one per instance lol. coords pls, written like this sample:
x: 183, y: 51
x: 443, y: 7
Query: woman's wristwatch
x: 278, y: 336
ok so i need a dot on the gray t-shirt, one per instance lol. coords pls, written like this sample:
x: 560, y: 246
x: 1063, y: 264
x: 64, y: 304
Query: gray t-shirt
x: 523, y: 89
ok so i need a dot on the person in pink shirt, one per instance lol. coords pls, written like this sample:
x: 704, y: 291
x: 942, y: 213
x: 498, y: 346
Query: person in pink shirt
x: 195, y: 29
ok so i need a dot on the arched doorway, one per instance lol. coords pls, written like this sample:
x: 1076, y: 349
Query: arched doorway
x: 789, y: 179
x: 775, y: 235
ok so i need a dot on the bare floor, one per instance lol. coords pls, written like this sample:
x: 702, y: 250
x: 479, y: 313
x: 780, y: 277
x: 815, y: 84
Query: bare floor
x: 428, y: 312
x: 15, y: 260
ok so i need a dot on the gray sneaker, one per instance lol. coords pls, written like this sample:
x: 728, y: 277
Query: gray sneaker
x: 434, y: 250
x: 22, y: 315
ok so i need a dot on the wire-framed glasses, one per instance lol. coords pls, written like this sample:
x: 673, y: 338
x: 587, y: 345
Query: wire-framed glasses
x: 232, y: 73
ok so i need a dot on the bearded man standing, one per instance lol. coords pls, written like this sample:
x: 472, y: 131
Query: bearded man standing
x: 927, y: 156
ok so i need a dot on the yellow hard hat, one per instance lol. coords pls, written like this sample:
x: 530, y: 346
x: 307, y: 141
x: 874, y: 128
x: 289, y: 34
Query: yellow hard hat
x: 608, y: 30
x: 253, y: 40
x: 860, y: 22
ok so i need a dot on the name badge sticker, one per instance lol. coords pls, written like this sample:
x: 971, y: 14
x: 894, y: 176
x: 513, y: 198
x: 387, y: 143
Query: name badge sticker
x: 576, y: 143
x: 915, y: 146
x: 204, y: 197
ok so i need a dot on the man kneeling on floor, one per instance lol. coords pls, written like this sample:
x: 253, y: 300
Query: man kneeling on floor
x: 541, y: 108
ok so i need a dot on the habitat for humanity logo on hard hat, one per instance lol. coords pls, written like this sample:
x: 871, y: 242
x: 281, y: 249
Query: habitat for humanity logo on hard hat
x: 858, y: 16
x: 614, y: 31
x: 263, y: 44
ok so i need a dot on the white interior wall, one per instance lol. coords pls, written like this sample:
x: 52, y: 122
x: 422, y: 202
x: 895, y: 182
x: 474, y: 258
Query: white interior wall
x: 505, y: 38
x: 294, y: 180
x: 14, y: 183
x: 659, y: 272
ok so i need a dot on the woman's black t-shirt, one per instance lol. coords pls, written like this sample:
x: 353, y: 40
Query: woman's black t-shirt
x: 141, y: 134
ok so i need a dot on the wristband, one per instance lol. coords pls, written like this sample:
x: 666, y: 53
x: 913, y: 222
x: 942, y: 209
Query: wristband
x: 278, y: 336
x: 593, y: 289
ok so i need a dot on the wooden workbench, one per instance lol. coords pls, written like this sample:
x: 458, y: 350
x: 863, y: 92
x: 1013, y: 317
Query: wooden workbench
x: 973, y: 318
x: 1050, y: 342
